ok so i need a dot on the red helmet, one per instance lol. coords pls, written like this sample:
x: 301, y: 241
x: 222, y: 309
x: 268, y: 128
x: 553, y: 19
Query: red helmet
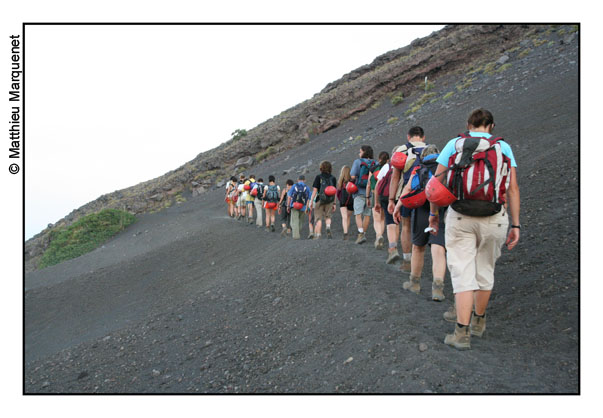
x: 330, y: 191
x: 247, y: 187
x: 438, y: 193
x: 351, y: 188
x: 254, y: 192
x: 399, y: 160
x: 298, y: 205
x: 271, y: 205
x: 414, y: 199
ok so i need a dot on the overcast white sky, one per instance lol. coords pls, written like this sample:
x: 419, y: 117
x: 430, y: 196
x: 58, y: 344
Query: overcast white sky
x: 108, y: 107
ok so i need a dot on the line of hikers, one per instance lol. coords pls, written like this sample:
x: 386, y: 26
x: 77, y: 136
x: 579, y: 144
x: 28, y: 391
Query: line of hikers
x: 454, y: 201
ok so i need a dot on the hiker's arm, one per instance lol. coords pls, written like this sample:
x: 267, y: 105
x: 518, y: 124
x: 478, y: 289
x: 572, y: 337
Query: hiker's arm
x: 514, y: 203
x: 434, y: 221
x: 314, y: 191
x: 397, y: 215
x: 377, y: 204
x: 407, y: 187
x: 393, y: 187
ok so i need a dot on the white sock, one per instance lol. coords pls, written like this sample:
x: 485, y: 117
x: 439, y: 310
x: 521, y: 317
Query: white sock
x: 360, y: 230
x: 407, y: 256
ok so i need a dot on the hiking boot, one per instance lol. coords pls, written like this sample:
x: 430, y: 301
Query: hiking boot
x: 345, y: 236
x: 414, y: 284
x: 437, y: 290
x: 460, y: 339
x: 311, y: 236
x: 272, y: 228
x: 316, y: 236
x: 405, y: 266
x: 361, y: 238
x: 392, y: 256
x: 284, y: 233
x: 329, y: 235
x: 379, y: 243
x: 450, y: 314
x: 478, y: 325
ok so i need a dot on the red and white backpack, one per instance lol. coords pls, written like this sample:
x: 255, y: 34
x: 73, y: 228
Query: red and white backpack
x: 478, y: 175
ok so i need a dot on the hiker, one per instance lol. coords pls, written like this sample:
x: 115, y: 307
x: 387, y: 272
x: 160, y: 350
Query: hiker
x: 323, y: 202
x: 249, y: 185
x: 271, y: 196
x: 346, y: 200
x: 282, y: 209
x: 402, y: 168
x: 297, y: 200
x: 381, y: 203
x: 231, y: 193
x: 362, y: 206
x: 378, y: 216
x: 258, y: 193
x: 241, y: 197
x: 413, y: 195
x: 476, y: 223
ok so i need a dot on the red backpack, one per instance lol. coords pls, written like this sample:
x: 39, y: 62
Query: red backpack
x: 478, y: 175
x: 383, y: 186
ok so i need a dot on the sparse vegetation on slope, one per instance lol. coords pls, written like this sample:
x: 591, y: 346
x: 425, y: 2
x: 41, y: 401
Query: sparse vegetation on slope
x: 85, y: 235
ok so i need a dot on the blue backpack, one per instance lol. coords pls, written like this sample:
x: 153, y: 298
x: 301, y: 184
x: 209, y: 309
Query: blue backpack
x: 299, y: 194
x: 424, y: 170
x: 272, y: 194
x: 366, y: 166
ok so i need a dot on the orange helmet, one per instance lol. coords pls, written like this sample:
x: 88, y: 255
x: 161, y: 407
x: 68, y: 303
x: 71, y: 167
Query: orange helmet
x: 399, y: 160
x: 271, y: 205
x: 351, y: 188
x: 298, y: 205
x: 330, y: 191
x: 438, y: 193
x: 414, y: 199
x: 254, y: 192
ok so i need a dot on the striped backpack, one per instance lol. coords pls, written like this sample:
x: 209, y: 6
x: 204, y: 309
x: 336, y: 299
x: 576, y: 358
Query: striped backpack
x: 478, y: 175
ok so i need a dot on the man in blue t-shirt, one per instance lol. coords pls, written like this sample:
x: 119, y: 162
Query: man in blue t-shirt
x: 302, y: 190
x: 362, y: 205
x: 473, y: 243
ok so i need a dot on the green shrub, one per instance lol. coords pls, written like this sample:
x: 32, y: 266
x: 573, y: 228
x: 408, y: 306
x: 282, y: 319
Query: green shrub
x: 392, y: 120
x: 397, y: 99
x: 376, y: 105
x: 448, y: 95
x: 503, y: 67
x: 262, y: 155
x: 524, y: 53
x: 84, y: 235
x: 238, y: 134
x: 489, y: 68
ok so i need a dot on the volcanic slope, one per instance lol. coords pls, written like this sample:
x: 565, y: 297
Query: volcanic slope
x: 189, y: 300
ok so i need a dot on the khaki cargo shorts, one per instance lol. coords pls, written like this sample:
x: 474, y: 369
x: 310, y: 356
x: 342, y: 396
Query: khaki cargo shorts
x: 473, y: 244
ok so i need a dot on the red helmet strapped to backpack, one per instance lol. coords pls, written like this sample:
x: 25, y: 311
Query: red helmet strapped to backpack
x: 414, y: 199
x: 247, y: 187
x: 437, y: 193
x: 399, y: 160
x: 298, y: 205
x: 330, y: 191
x: 271, y: 205
x: 254, y: 192
x: 351, y: 188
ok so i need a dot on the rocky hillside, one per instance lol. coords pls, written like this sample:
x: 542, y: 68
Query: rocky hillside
x: 400, y: 73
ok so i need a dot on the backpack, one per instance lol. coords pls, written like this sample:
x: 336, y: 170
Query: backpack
x: 424, y: 170
x: 272, y: 194
x: 383, y: 187
x: 299, y: 194
x: 261, y: 188
x: 414, y: 157
x: 478, y: 175
x: 366, y: 166
x: 324, y: 183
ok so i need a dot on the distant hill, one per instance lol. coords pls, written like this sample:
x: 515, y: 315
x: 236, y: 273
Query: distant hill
x: 398, y: 73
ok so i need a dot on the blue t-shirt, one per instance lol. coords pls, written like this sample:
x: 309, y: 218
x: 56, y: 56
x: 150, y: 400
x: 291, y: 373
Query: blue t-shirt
x: 291, y: 192
x: 449, y: 149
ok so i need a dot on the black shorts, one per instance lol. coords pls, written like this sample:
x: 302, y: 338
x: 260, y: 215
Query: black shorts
x: 419, y: 220
x: 384, y: 202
